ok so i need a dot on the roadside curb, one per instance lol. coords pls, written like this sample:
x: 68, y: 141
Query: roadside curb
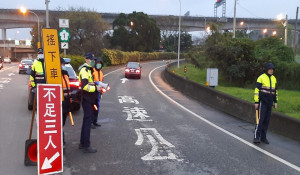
x: 279, y: 123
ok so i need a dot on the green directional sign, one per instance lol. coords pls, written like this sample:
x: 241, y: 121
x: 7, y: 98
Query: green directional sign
x: 64, y: 35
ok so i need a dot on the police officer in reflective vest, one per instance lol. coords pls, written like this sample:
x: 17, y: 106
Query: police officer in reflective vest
x: 38, y: 70
x: 265, y: 95
x: 98, y: 76
x: 37, y: 75
x: 66, y: 104
x: 89, y: 99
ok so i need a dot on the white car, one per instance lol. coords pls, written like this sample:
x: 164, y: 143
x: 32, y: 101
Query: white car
x: 7, y: 60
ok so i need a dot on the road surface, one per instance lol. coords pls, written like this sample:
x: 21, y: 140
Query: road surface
x: 147, y: 128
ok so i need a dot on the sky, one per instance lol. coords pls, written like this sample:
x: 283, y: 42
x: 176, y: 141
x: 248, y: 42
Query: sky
x: 245, y: 8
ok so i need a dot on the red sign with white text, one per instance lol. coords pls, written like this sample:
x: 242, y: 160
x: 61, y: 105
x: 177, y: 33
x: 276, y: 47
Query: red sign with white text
x: 49, y: 126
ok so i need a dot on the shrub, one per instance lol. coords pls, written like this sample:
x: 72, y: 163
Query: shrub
x: 76, y: 61
x: 116, y: 57
x: 242, y: 60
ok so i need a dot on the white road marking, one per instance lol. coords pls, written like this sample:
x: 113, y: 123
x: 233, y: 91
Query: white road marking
x: 136, y: 113
x: 161, y: 149
x: 124, y: 80
x: 6, y: 69
x: 5, y: 80
x: 221, y: 129
x: 10, y: 74
x: 112, y: 72
x: 140, y: 137
x: 128, y: 99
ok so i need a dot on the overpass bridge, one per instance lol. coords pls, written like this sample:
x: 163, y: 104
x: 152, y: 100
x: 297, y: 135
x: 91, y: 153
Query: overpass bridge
x: 12, y: 18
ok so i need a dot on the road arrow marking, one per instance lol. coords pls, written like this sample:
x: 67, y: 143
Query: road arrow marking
x: 47, y: 163
x: 124, y: 80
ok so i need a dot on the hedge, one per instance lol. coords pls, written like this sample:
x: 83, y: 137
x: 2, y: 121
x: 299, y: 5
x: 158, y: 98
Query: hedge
x: 76, y: 61
x: 116, y: 57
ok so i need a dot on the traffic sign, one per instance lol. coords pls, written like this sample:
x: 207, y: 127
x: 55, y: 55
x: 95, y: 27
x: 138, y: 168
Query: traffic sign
x: 64, y: 45
x: 52, y: 58
x: 64, y: 35
x: 63, y: 23
x: 49, y: 126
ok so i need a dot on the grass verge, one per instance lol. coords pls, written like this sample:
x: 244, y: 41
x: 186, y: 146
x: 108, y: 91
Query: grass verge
x: 288, y: 101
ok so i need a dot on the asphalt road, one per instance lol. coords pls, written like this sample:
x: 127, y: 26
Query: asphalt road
x: 147, y: 128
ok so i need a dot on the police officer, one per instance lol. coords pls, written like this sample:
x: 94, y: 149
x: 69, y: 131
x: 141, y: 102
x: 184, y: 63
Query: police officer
x: 37, y: 74
x: 265, y: 95
x: 98, y: 76
x: 89, y: 99
x: 66, y: 104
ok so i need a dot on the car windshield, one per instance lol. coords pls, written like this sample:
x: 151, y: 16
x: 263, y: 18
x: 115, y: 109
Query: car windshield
x: 71, y: 72
x: 133, y: 65
x: 27, y: 61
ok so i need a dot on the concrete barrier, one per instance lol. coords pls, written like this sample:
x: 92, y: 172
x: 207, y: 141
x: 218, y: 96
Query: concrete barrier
x: 280, y: 123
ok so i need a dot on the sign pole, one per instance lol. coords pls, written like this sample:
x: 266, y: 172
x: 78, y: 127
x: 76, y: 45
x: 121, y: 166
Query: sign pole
x: 32, y: 117
x: 65, y: 52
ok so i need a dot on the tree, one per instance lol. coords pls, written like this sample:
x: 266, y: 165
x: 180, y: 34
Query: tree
x: 233, y: 57
x: 170, y: 43
x: 135, y: 32
x: 87, y: 30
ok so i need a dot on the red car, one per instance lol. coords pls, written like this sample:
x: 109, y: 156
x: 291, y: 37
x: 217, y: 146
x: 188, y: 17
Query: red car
x: 1, y: 63
x: 133, y: 69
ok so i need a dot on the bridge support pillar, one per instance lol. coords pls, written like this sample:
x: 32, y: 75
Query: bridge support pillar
x: 3, y: 34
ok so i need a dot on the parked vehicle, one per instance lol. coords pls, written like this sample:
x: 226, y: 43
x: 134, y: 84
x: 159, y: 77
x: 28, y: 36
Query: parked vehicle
x: 7, y: 60
x: 24, y: 65
x: 74, y: 86
x: 1, y: 63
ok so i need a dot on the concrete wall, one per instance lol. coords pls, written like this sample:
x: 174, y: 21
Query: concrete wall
x: 280, y: 123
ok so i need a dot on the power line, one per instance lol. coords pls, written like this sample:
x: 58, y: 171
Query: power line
x: 248, y: 11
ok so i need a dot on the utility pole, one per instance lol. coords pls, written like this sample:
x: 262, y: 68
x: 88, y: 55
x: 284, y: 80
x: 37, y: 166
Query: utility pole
x: 296, y: 31
x: 47, y: 13
x: 179, y: 34
x: 286, y: 30
x: 234, y: 19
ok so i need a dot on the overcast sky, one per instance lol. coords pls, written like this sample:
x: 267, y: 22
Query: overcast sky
x: 245, y: 8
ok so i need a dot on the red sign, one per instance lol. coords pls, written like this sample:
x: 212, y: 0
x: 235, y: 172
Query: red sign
x: 49, y: 126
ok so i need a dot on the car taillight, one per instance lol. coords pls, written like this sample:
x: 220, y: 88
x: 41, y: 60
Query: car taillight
x: 20, y: 65
x: 75, y: 84
x: 127, y: 70
x: 137, y: 71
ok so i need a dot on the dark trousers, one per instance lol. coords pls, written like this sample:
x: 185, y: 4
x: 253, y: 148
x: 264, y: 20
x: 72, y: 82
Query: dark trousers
x: 265, y: 109
x: 95, y: 116
x: 96, y: 112
x: 88, y: 111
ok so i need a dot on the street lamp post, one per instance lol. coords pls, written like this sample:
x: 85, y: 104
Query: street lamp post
x: 264, y: 32
x: 24, y: 10
x: 179, y: 33
x: 285, y: 29
x: 47, y: 13
x: 15, y: 44
x: 285, y: 24
x: 234, y: 20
